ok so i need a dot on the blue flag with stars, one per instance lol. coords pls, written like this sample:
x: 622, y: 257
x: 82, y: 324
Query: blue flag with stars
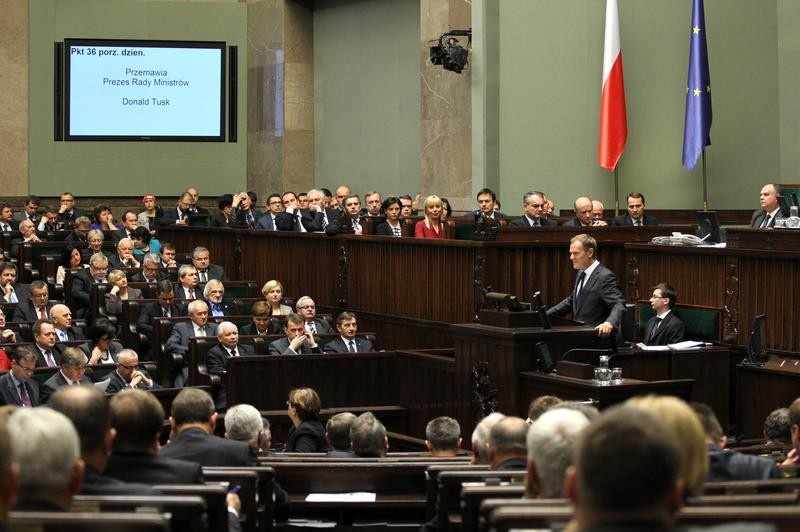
x: 697, y: 125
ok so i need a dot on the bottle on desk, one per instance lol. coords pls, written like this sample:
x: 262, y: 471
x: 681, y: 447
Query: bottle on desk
x: 602, y: 373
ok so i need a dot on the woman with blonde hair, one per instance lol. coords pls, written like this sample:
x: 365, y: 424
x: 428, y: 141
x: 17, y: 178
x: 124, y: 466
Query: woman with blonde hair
x: 683, y: 421
x: 119, y: 292
x: 431, y: 225
x: 273, y: 293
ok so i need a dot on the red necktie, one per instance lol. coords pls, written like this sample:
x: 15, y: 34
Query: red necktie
x: 43, y: 313
x: 23, y: 395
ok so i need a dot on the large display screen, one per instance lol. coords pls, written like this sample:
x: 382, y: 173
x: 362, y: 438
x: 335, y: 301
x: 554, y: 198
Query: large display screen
x: 144, y: 90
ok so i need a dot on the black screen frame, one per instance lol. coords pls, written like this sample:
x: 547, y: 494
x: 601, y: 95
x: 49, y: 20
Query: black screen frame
x: 144, y: 43
x: 708, y: 224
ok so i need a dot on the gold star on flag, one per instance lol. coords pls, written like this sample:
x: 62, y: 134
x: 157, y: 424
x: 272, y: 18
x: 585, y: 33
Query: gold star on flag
x: 708, y: 88
x: 696, y: 92
x: 696, y: 30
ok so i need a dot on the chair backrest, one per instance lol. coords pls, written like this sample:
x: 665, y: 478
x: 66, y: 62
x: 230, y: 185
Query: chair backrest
x: 213, y: 494
x: 187, y: 512
x: 88, y: 522
x: 701, y: 322
x: 256, y: 492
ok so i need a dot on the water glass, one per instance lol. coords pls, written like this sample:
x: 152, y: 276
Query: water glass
x: 616, y: 375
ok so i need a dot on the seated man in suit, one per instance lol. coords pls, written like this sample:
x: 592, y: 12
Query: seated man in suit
x: 583, y: 214
x: 28, y: 230
x: 443, y: 436
x: 597, y: 299
x: 179, y: 214
x: 150, y: 273
x: 193, y: 421
x: 368, y: 436
x: 506, y: 448
x: 130, y: 221
x: 137, y: 416
x: 298, y: 341
x: 725, y: 464
x: 243, y: 212
x: 293, y: 218
x: 487, y: 200
x: 82, y: 284
x: 665, y: 327
x: 188, y: 283
x: 205, y: 270
x: 217, y: 358
x: 316, y: 203
x: 533, y: 205
x: 48, y: 354
x: 88, y: 410
x: 194, y: 208
x: 18, y: 387
x: 79, y: 236
x: 635, y: 215
x: 10, y: 290
x: 598, y: 209
x: 37, y: 306
x: 769, y: 198
x: 347, y: 325
x: 178, y: 342
x: 167, y: 255
x: 262, y: 324
x: 128, y: 375
x: 165, y: 307
x: 45, y: 445
x: 73, y: 371
x: 348, y: 219
x: 213, y: 293
x: 308, y: 311
x: 337, y: 432
x: 267, y: 220
x: 124, y: 257
x: 31, y: 210
x: 7, y: 222
x: 61, y: 316
x: 68, y: 213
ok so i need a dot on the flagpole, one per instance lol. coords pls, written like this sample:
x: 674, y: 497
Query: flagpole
x: 616, y: 190
x: 705, y: 183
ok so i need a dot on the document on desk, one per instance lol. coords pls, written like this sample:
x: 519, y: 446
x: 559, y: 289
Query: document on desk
x: 359, y: 496
x: 654, y: 347
x: 688, y: 344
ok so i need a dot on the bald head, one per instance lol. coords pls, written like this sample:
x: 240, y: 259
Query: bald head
x: 507, y: 440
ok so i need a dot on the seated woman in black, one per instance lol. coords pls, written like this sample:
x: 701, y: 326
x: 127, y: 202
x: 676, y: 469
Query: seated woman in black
x: 308, y: 434
x: 391, y: 209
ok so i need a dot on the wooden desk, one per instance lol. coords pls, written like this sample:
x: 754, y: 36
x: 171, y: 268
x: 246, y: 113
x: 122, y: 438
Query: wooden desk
x: 760, y: 390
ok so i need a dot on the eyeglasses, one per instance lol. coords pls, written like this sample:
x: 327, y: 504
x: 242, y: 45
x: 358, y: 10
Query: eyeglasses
x: 26, y: 370
x: 126, y: 367
x: 307, y: 307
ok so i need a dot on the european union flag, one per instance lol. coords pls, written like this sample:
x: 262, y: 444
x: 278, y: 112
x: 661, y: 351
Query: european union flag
x: 697, y: 125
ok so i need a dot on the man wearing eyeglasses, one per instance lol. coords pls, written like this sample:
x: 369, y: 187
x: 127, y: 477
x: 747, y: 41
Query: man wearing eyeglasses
x: 128, y: 375
x: 17, y: 387
x: 308, y: 311
x: 178, y: 342
x: 72, y: 372
x: 178, y: 214
x: 82, y: 284
x: 533, y: 204
x: 274, y: 208
x: 67, y: 212
x: 665, y: 327
x: 36, y: 307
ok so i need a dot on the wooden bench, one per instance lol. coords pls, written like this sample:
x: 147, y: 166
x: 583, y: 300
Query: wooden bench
x: 450, y: 485
x: 87, y: 522
x: 213, y: 493
x: 256, y: 493
x: 743, y: 487
x: 30, y: 258
x: 186, y: 512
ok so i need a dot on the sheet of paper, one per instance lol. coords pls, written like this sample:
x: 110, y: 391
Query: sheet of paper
x: 359, y: 496
x: 655, y: 348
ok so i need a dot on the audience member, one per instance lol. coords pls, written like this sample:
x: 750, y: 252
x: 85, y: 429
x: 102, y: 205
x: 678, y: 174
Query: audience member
x: 103, y: 219
x: 391, y: 226
x: 12, y: 292
x: 443, y: 436
x: 307, y: 435
x: 101, y: 347
x: 45, y: 445
x: 217, y: 357
x: 30, y: 211
x: 777, y: 428
x: 37, y: 307
x: 73, y: 371
x: 372, y: 201
x: 151, y: 271
x: 188, y: 285
x: 368, y: 436
x: 293, y: 218
x: 129, y: 223
x: 583, y: 213
x: 68, y: 213
x: 164, y: 307
x: 243, y: 209
x: 307, y: 309
x: 273, y: 293
x: 144, y: 242
x: 769, y: 198
x: 431, y: 225
x: 337, y: 433
x: 793, y: 457
x: 267, y: 221
x: 665, y: 327
x: 151, y: 214
x: 61, y: 316
x: 18, y: 387
x: 198, y: 325
x: 487, y: 201
x: 551, y: 442
x: 178, y: 214
x: 598, y: 211
x: 244, y: 423
x: 48, y: 354
x: 348, y: 342
x: 480, y: 438
x: 298, y: 340
x: 213, y: 293
x: 225, y: 215
x: 261, y: 325
x: 540, y: 405
x: 119, y: 291
x: 78, y: 236
x: 201, y: 259
x: 506, y: 447
x: 127, y: 374
x: 82, y: 284
x: 635, y: 215
x: 28, y: 230
x: 533, y: 204
x: 348, y: 220
x: 167, y: 255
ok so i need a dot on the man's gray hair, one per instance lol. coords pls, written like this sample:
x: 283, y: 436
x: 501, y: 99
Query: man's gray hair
x: 126, y: 355
x: 368, y: 435
x: 151, y: 258
x: 221, y: 330
x: 184, y: 269
x: 195, y: 305
x: 243, y: 423
x: 45, y: 445
x: 551, y: 442
x: 211, y: 284
x: 72, y: 357
x: 480, y: 436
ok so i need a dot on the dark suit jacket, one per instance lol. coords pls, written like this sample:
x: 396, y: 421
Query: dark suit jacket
x: 148, y: 313
x: 730, y: 465
x: 115, y: 262
x: 239, y: 217
x: 337, y: 345
x: 73, y: 333
x: 117, y: 383
x: 9, y: 395
x: 70, y: 216
x: 96, y: 483
x: 322, y: 326
x: 139, y: 278
x: 625, y: 219
x: 82, y: 292
x: 181, y: 332
x: 273, y: 327
x: 574, y: 222
x: 149, y: 469
x: 671, y: 331
x: 215, y: 271
x: 171, y: 216
x: 312, y: 221
x: 228, y: 308
x: 25, y: 311
x: 265, y: 222
x: 522, y: 221
x: 119, y: 234
x: 217, y: 357
x: 22, y: 291
x: 758, y: 218
x: 281, y: 347
x: 497, y: 214
x: 54, y: 383
x: 40, y: 362
x: 600, y: 300
x: 384, y: 229
x: 195, y: 445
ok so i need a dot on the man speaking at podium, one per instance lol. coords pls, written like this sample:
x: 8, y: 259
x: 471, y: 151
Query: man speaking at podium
x: 596, y: 299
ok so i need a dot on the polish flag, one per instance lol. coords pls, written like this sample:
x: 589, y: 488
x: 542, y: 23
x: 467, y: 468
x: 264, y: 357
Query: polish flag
x: 613, y: 122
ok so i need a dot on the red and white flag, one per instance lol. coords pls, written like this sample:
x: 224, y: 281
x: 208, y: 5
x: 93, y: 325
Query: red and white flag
x: 613, y: 121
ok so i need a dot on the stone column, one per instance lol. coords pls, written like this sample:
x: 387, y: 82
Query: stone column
x: 14, y: 98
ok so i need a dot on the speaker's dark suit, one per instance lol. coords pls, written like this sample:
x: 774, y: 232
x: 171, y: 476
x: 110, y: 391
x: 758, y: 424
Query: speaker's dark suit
x: 25, y: 311
x: 9, y: 394
x: 195, y: 445
x: 337, y: 345
x: 152, y: 469
x: 600, y: 300
x: 625, y: 219
x: 54, y: 383
x: 281, y: 347
x: 148, y: 313
x: 671, y: 331
x: 217, y: 357
x: 758, y: 218
x: 523, y: 221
